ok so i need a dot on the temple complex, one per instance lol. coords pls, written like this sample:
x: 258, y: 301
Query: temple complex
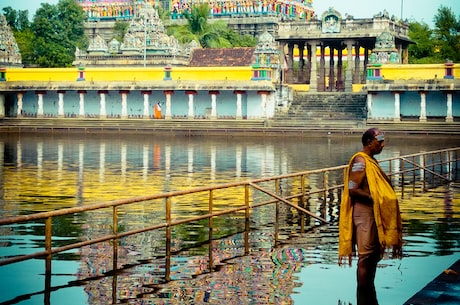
x: 323, y: 45
x: 326, y: 68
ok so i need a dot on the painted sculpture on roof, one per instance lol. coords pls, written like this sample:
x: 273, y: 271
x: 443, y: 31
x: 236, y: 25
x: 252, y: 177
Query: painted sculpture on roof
x: 9, y: 50
x: 127, y: 9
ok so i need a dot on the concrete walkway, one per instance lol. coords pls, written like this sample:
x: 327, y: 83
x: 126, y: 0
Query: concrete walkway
x: 443, y: 290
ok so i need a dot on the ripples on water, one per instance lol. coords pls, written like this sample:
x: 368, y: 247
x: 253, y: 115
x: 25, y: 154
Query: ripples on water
x: 47, y: 173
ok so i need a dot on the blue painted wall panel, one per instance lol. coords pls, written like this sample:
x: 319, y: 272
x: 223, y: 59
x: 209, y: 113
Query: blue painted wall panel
x: 410, y: 104
x: 436, y: 104
x: 383, y: 105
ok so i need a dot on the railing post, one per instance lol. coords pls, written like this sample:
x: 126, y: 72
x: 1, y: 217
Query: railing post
x: 246, y: 223
x: 325, y: 189
x: 441, y: 164
x: 115, y: 254
x: 277, y: 211
x: 303, y: 202
x: 390, y: 169
x: 424, y: 174
x: 168, y: 240
x: 414, y: 176
x: 402, y: 178
x: 456, y: 164
x: 48, y: 249
x: 210, y: 222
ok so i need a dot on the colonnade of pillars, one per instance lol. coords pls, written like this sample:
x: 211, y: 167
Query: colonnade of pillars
x: 146, y: 109
x: 332, y: 79
x: 397, y: 106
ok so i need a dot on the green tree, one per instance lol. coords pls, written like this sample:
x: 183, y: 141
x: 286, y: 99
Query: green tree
x: 25, y: 40
x: 59, y: 30
x: 209, y: 35
x: 17, y: 20
x: 447, y: 34
x: 423, y: 49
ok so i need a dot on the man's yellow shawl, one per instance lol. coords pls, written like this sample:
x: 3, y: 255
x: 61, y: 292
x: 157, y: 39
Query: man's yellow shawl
x: 386, y: 211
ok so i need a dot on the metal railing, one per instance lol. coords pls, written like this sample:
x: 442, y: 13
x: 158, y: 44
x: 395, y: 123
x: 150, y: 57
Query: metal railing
x: 300, y: 192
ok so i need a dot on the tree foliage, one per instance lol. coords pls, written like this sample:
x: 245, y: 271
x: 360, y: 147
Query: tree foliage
x: 447, y: 34
x: 17, y: 20
x: 59, y: 30
x: 439, y: 44
x: 423, y: 50
x: 207, y: 34
x: 52, y: 37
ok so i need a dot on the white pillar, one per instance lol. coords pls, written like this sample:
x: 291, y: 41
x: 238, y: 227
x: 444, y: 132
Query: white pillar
x: 20, y: 104
x: 146, y: 94
x: 263, y: 104
x: 369, y: 105
x: 124, y: 104
x: 239, y: 107
x: 61, y: 104
x: 2, y: 105
x: 349, y: 71
x: 313, y: 72
x: 40, y: 104
x: 422, y: 106
x: 168, y: 94
x: 214, y: 104
x: 397, y: 115
x: 102, y: 111
x: 190, y: 94
x: 81, y: 112
x: 449, y: 117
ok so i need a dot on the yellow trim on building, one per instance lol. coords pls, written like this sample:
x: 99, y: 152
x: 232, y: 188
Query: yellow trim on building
x: 129, y: 74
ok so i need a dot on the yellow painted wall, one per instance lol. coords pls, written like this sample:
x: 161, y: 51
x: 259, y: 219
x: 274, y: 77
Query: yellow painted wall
x: 389, y: 72
x: 416, y: 72
x: 129, y: 74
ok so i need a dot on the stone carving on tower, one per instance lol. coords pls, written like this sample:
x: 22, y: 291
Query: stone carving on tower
x: 9, y: 50
x: 145, y: 42
x: 267, y: 52
x: 330, y: 21
x: 266, y: 59
x: 385, y: 51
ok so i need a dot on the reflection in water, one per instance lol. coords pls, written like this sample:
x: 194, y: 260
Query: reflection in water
x: 47, y: 173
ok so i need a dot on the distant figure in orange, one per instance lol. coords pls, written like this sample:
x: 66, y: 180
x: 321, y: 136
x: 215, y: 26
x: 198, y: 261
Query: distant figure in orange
x: 157, y: 109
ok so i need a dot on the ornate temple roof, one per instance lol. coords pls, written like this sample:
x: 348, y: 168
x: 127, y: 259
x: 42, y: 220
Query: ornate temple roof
x: 146, y: 41
x: 233, y: 57
x: 9, y: 50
